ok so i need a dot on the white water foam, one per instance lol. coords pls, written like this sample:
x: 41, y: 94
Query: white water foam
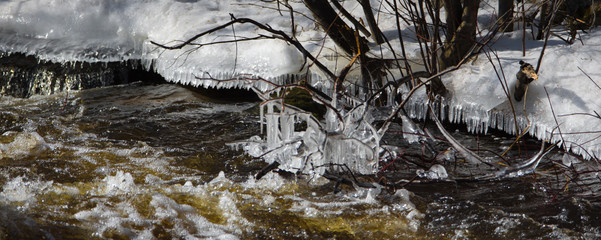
x: 24, y: 191
x: 24, y: 144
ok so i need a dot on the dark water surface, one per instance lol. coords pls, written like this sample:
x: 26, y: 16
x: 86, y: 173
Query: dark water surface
x: 144, y: 161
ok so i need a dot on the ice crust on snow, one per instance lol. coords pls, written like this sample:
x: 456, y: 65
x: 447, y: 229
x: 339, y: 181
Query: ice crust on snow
x: 113, y: 31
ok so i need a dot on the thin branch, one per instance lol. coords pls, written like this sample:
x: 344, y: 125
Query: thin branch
x: 267, y: 28
x: 556, y: 4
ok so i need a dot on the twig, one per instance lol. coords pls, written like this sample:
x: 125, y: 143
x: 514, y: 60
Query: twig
x: 589, y: 77
x: 350, y: 17
x: 556, y: 4
x: 468, y: 154
x: 475, y: 49
x: 554, y: 116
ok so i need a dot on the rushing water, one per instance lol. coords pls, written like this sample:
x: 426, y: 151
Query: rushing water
x: 144, y: 161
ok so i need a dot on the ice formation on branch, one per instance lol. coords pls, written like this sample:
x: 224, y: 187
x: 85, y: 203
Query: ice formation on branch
x: 338, y: 143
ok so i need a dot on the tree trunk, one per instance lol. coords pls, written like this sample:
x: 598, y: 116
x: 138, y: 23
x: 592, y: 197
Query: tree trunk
x: 461, y: 37
x: 371, y: 21
x: 346, y: 38
x: 506, y: 15
x: 453, y: 9
x: 543, y: 21
x: 336, y: 28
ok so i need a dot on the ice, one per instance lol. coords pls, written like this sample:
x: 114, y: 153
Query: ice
x: 447, y: 156
x: 411, y: 131
x: 337, y: 143
x: 436, y: 172
x: 568, y: 160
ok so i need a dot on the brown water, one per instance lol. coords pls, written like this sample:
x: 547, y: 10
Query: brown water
x: 151, y: 162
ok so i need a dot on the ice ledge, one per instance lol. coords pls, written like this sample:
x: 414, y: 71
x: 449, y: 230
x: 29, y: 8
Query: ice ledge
x: 536, y: 119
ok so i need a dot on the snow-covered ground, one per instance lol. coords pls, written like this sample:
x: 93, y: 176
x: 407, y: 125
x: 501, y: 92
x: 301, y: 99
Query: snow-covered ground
x: 103, y: 31
x: 564, y: 100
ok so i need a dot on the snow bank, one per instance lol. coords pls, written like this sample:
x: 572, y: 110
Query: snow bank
x: 113, y: 31
x: 563, y: 96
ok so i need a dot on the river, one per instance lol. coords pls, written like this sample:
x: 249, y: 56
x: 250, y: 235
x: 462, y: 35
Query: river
x: 151, y: 161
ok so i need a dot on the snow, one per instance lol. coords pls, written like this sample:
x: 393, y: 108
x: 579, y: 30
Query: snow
x: 113, y: 31
x: 563, y: 95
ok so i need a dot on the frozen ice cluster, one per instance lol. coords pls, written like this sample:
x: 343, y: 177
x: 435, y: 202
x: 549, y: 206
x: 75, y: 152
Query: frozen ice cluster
x: 340, y: 142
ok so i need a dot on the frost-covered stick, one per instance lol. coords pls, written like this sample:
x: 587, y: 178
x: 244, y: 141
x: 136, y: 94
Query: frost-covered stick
x: 505, y: 8
x: 338, y: 84
x: 292, y: 24
x: 426, y: 36
x: 523, y: 29
x: 336, y: 29
x: 525, y: 168
x: 236, y: 48
x: 544, y: 12
x: 436, y: 37
x: 417, y: 22
x: 371, y: 21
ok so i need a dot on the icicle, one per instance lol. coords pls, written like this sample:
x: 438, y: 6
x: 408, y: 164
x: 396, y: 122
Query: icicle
x: 286, y: 126
x: 262, y: 116
x: 411, y: 132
